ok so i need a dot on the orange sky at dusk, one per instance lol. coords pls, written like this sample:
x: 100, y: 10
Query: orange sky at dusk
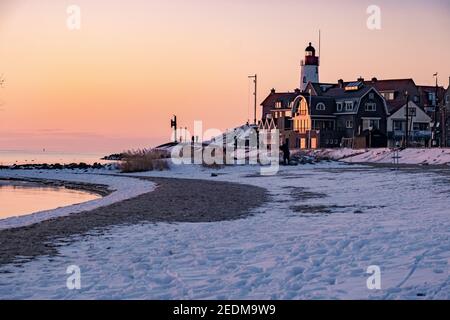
x: 115, y: 83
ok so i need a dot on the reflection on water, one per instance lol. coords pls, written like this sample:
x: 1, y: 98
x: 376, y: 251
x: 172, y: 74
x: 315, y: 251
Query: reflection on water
x: 24, y: 198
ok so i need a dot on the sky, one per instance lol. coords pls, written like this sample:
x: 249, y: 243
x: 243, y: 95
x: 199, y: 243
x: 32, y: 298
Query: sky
x: 115, y: 83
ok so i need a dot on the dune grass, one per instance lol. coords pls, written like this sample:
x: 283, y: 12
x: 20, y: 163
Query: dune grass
x: 142, y: 160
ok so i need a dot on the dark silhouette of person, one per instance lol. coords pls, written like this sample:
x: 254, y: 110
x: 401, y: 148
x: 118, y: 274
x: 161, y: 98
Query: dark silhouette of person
x: 286, y: 152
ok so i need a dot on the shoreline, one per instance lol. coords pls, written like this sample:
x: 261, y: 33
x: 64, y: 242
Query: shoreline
x: 98, y: 189
x: 173, y: 201
x: 111, y: 190
x: 115, y: 259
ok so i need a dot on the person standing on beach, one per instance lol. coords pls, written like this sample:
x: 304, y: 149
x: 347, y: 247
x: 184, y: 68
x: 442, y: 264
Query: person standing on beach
x: 286, y: 152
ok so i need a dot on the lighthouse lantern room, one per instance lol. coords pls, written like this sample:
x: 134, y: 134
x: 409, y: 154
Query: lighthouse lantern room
x: 309, y: 67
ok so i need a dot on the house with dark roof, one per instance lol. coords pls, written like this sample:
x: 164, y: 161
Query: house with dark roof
x: 314, y: 122
x: 360, y: 112
x: 395, y: 92
x: 399, y: 93
x: 328, y: 115
x: 277, y: 114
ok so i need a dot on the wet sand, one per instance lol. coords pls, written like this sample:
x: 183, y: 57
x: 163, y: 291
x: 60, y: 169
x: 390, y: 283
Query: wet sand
x: 174, y: 200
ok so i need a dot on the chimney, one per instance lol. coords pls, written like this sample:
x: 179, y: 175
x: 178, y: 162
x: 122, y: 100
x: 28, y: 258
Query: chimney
x: 341, y: 83
x: 273, y: 90
x: 374, y: 79
x: 361, y: 79
x: 297, y: 91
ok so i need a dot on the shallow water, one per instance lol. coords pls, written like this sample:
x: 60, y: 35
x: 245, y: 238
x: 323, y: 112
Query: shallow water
x: 20, y: 199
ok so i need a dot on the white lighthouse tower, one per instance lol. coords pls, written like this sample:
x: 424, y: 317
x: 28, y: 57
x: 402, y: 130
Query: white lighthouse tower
x: 309, y: 67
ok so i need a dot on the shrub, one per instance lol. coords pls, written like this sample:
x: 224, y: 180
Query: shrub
x: 143, y: 160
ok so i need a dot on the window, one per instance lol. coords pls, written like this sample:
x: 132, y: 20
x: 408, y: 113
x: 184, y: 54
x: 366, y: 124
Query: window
x: 320, y: 106
x: 370, y: 106
x: 278, y: 105
x: 303, y: 110
x: 349, y: 124
x: 398, y: 125
x: 349, y: 106
x: 447, y: 99
x: 370, y: 124
x: 412, y: 112
x: 371, y: 96
x: 304, y: 79
x: 339, y: 106
x: 388, y: 95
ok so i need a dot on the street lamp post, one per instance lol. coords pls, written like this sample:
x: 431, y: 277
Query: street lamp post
x: 255, y: 81
x: 406, y: 144
x: 436, y: 113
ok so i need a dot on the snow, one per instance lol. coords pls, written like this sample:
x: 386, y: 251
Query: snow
x: 124, y: 188
x: 434, y: 156
x: 396, y: 220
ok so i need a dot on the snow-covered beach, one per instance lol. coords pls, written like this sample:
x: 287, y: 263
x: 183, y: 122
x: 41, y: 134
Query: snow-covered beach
x: 405, y: 157
x: 315, y: 236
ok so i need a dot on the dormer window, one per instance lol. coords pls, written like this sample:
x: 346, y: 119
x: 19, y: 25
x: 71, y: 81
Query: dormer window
x: 278, y: 105
x: 320, y: 106
x: 340, y: 106
x: 349, y: 106
x: 388, y: 95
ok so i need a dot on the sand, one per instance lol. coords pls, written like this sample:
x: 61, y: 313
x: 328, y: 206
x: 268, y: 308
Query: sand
x: 174, y: 200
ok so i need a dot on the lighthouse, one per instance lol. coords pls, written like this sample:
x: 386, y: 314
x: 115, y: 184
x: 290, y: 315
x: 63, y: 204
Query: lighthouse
x: 309, y: 67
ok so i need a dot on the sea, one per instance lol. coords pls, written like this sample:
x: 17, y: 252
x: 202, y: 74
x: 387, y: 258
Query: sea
x: 11, y: 157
